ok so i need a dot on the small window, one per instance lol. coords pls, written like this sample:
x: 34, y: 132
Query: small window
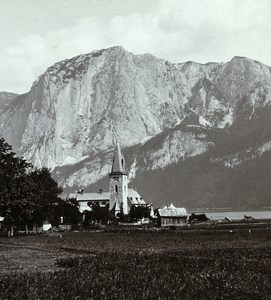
x: 116, y: 189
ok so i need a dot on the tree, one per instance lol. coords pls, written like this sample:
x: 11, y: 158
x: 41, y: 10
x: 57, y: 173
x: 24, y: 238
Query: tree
x: 138, y: 212
x: 12, y: 177
x: 98, y: 214
x: 69, y: 210
x: 43, y: 195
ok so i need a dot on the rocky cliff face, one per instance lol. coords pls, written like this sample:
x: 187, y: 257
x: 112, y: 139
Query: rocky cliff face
x: 164, y: 113
x: 5, y: 100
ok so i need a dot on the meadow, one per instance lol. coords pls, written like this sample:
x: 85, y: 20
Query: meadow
x: 201, y: 263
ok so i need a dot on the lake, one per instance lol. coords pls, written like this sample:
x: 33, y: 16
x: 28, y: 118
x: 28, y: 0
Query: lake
x: 239, y: 215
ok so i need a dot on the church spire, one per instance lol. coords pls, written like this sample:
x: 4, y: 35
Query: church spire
x: 118, y: 184
x: 118, y: 162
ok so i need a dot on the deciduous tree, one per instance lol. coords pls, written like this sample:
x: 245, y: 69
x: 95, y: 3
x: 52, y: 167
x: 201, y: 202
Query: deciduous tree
x: 12, y: 179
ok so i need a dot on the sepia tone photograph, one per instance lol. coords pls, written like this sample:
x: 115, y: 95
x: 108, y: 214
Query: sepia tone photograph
x: 135, y: 149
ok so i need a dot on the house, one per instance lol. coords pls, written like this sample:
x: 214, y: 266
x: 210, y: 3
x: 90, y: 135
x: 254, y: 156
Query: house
x: 119, y: 198
x: 172, y: 216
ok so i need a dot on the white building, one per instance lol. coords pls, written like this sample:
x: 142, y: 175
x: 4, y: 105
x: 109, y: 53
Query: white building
x: 172, y: 216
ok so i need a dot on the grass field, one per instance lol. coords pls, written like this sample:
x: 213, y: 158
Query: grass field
x: 202, y: 263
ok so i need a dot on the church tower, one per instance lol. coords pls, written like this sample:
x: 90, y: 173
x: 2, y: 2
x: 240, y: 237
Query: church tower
x: 118, y: 184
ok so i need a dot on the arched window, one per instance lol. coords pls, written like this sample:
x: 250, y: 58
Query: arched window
x: 116, y: 189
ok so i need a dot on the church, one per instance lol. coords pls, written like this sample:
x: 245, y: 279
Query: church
x: 120, y: 197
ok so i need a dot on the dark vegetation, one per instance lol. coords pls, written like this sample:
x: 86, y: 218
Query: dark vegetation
x: 140, y: 264
x: 139, y: 212
x: 29, y: 196
x: 197, y: 218
x: 98, y: 214
x: 101, y: 215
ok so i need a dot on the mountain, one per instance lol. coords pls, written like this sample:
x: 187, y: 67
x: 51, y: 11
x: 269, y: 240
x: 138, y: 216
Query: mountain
x: 5, y: 99
x: 192, y: 132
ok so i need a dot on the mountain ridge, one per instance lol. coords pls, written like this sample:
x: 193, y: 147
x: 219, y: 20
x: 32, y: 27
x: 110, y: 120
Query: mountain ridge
x: 70, y: 119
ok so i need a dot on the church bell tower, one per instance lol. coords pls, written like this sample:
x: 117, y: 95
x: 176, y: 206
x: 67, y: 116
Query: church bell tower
x: 118, y: 184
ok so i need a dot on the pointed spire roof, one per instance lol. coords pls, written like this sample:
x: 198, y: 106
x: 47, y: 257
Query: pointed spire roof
x: 118, y: 162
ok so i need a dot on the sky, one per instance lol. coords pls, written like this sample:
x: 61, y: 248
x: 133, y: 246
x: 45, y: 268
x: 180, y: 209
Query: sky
x: 34, y: 34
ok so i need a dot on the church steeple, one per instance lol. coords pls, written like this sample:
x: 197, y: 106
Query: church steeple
x: 118, y: 166
x: 118, y: 184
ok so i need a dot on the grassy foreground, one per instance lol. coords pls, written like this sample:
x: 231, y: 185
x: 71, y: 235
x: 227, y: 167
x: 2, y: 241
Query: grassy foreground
x: 196, y: 264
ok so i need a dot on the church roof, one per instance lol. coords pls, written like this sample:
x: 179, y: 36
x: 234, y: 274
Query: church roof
x: 172, y: 211
x: 134, y: 197
x: 90, y: 196
x: 118, y: 162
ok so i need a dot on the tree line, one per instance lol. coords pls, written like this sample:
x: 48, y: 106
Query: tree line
x: 28, y: 195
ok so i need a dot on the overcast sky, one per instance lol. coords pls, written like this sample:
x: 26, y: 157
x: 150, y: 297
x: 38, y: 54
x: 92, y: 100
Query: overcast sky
x: 34, y: 34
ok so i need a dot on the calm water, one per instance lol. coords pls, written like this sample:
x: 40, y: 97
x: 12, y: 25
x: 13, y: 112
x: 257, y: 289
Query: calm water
x: 238, y: 215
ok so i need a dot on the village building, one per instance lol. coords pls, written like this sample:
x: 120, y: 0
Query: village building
x: 86, y: 199
x: 120, y: 197
x: 172, y: 216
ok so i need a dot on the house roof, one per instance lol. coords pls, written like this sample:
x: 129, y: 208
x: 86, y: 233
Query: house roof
x: 172, y: 211
x: 90, y: 196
